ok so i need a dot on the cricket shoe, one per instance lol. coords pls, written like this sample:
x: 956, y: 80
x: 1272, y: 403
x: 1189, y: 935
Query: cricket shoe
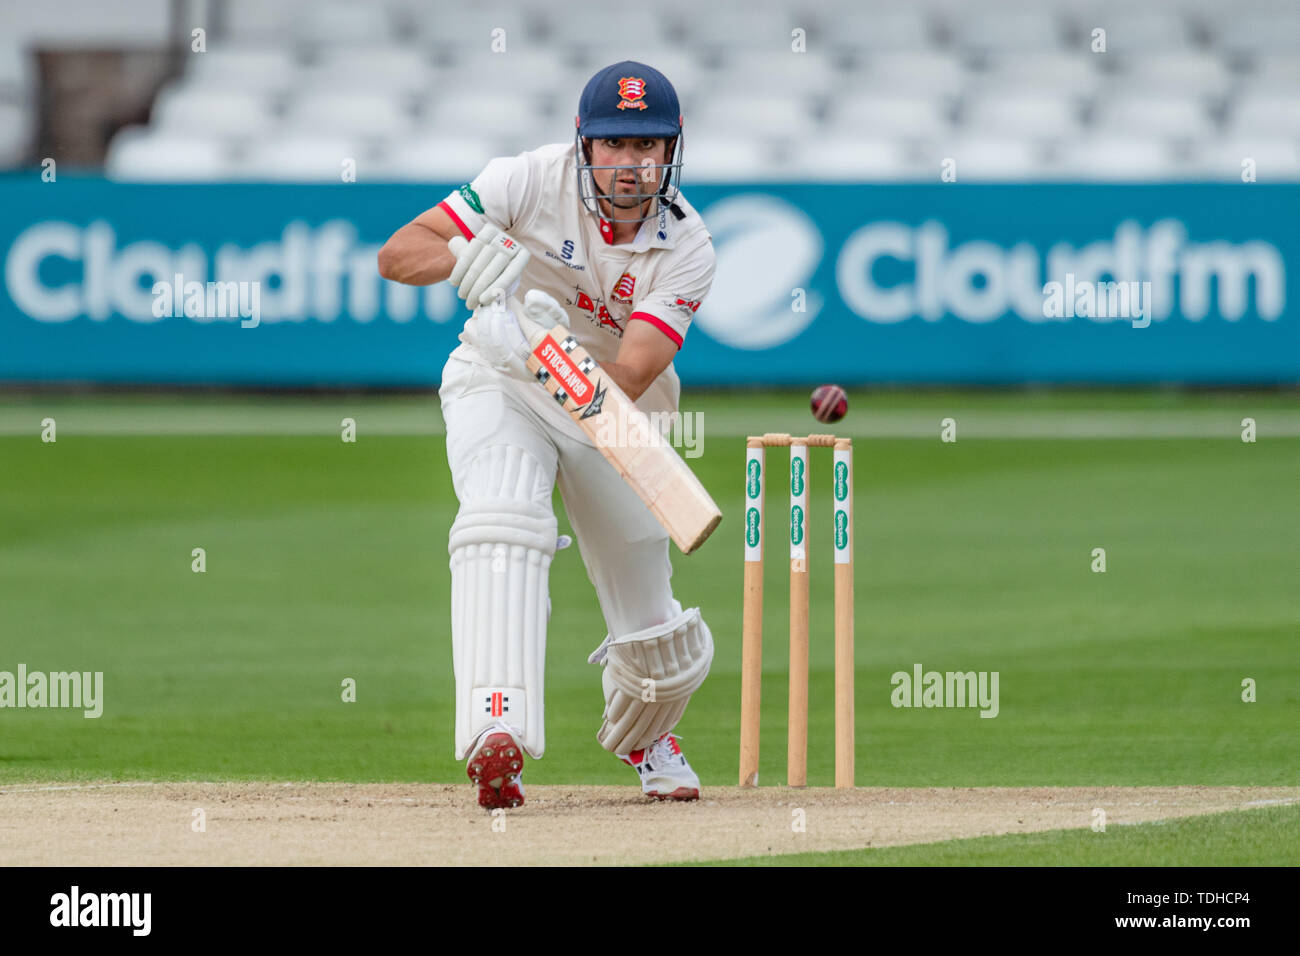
x: 665, y: 774
x: 496, y: 765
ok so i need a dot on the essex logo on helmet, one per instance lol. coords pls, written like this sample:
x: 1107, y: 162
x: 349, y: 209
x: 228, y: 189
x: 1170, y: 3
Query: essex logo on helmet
x: 631, y: 89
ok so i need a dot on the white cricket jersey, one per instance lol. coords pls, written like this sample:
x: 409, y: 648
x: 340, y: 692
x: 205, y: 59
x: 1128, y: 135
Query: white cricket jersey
x: 659, y: 278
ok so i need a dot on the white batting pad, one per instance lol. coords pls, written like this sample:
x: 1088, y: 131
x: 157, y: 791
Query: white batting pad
x: 649, y: 678
x: 501, y: 549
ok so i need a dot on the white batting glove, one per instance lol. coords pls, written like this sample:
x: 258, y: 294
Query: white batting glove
x: 491, y: 261
x: 501, y: 332
x: 544, y: 310
x: 497, y: 332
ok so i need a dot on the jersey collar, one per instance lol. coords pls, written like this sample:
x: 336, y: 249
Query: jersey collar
x: 655, y: 233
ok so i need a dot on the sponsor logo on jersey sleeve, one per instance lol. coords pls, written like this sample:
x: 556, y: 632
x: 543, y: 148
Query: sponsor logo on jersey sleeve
x: 471, y: 198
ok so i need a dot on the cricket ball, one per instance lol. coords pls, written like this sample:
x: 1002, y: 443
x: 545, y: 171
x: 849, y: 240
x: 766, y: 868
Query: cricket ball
x: 829, y: 403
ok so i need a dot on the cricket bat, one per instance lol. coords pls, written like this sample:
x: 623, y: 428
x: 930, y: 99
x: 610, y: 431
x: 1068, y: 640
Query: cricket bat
x: 623, y: 433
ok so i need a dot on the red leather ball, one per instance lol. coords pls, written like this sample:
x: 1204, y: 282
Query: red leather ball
x: 829, y: 403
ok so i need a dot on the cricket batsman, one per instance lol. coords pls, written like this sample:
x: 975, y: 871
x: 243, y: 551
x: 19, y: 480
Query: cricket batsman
x: 599, y: 238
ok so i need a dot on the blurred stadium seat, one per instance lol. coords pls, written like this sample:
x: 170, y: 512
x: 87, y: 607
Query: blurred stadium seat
x: 1115, y: 159
x: 776, y: 115
x: 727, y: 160
x: 211, y: 110
x: 94, y: 24
x: 492, y: 114
x: 380, y: 68
x: 1074, y: 74
x: 1275, y: 111
x: 1274, y: 71
x: 15, y: 133
x: 853, y: 160
x: 716, y: 29
x: 899, y: 114
x: 1169, y: 115
x: 146, y: 156
x: 1247, y: 32
x: 603, y: 29
x: 321, y: 22
x: 1023, y: 113
x: 256, y: 21
x: 1200, y: 73
x: 527, y: 72
x: 756, y: 75
x: 350, y: 113
x: 1001, y: 27
x: 857, y: 29
x: 921, y: 73
x: 300, y: 158
x: 343, y: 22
x: 1276, y: 160
x: 434, y: 157
x: 472, y: 28
x: 267, y: 69
x: 988, y: 159
x: 15, y: 70
x: 1135, y: 30
x: 1176, y: 76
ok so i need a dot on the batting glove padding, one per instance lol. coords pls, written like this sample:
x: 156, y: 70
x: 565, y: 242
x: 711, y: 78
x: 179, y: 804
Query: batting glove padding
x: 544, y: 310
x: 497, y: 333
x: 502, y: 327
x: 492, y: 260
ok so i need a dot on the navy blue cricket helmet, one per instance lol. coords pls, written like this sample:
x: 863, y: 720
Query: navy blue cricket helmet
x: 629, y: 99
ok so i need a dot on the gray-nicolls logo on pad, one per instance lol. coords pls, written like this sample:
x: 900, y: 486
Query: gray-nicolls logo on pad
x: 75, y: 908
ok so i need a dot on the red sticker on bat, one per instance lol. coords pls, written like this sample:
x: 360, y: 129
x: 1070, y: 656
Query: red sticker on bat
x: 555, y: 359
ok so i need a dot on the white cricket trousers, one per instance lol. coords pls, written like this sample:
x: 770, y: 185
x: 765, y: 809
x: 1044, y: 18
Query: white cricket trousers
x: 624, y: 548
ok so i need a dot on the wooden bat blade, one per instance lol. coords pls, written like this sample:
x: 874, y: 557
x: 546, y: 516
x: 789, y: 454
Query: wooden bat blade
x: 623, y: 433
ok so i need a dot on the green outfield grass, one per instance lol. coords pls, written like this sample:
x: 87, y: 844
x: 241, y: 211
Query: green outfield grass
x: 328, y: 561
x: 1264, y: 837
